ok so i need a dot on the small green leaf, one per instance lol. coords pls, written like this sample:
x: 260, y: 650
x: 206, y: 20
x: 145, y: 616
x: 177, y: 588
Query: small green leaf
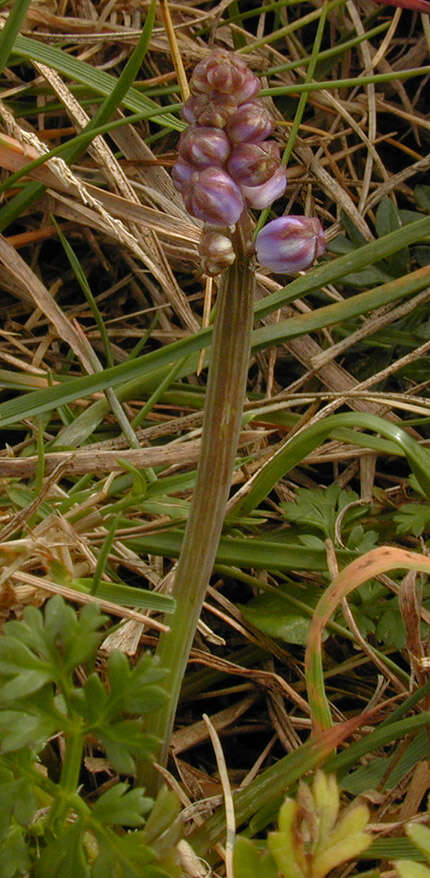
x: 387, y: 217
x: 16, y: 797
x: 388, y: 220
x: 125, y: 856
x: 65, y: 857
x: 412, y: 518
x: 24, y: 683
x: 274, y: 617
x: 133, y: 689
x: 422, y: 255
x: 326, y: 796
x: 420, y: 837
x: 409, y: 869
x: 95, y: 705
x: 162, y: 817
x: 249, y: 862
x: 285, y: 615
x: 319, y: 508
x: 125, y: 740
x: 14, y: 854
x: 390, y: 629
x: 422, y: 196
x: 122, y: 806
x: 348, y: 848
x: 19, y: 729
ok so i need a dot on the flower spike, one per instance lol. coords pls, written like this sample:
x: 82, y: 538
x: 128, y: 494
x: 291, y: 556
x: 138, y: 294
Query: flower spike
x: 226, y: 163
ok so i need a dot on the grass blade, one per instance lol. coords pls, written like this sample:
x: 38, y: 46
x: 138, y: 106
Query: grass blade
x: 11, y: 29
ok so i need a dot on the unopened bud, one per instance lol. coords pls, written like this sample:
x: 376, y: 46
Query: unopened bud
x: 182, y: 173
x: 214, y: 197
x: 225, y: 73
x: 290, y: 243
x: 250, y: 123
x: 212, y: 109
x: 251, y: 164
x: 216, y: 252
x: 263, y: 196
x: 204, y: 147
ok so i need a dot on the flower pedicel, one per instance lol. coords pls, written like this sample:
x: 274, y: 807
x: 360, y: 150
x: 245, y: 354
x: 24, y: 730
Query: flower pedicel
x: 226, y: 163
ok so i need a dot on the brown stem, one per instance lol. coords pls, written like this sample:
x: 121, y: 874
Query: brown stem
x: 225, y: 396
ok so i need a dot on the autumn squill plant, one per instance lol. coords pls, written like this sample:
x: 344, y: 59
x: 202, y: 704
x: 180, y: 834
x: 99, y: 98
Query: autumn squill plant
x: 226, y: 164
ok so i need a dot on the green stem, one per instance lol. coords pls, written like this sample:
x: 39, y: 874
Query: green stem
x: 69, y: 780
x: 72, y: 762
x: 223, y: 411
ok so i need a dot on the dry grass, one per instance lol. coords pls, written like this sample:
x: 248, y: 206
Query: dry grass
x: 358, y: 147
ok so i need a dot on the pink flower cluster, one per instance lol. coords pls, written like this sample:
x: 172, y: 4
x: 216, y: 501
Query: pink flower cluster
x: 226, y: 163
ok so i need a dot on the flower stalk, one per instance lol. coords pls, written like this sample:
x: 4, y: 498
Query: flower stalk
x: 221, y: 427
x: 225, y: 162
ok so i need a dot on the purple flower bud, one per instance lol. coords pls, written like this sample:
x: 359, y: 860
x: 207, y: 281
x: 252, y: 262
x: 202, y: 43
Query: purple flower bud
x: 211, y: 109
x: 192, y: 108
x: 214, y: 197
x: 250, y: 123
x: 251, y: 164
x: 263, y: 196
x: 181, y: 175
x: 224, y: 73
x: 204, y: 147
x: 216, y: 252
x: 290, y: 243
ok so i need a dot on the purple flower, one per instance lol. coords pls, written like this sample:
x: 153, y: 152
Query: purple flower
x: 216, y: 252
x: 263, y: 196
x: 204, y: 147
x: 225, y: 73
x: 222, y: 89
x: 251, y: 164
x: 182, y: 173
x: 250, y: 123
x: 211, y: 109
x: 290, y: 243
x: 214, y: 197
